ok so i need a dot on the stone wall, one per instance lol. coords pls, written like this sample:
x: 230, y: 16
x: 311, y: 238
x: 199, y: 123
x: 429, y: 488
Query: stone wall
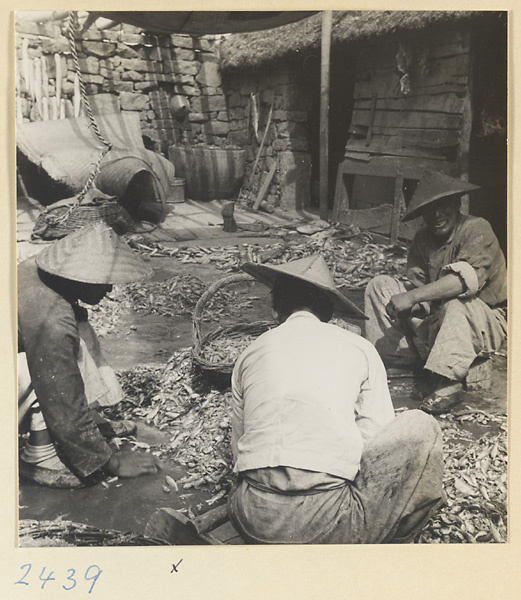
x: 175, y: 84
x: 250, y: 97
x: 173, y: 81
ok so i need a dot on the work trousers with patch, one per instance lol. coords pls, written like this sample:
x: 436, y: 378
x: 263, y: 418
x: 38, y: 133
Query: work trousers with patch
x: 396, y: 490
x: 446, y: 342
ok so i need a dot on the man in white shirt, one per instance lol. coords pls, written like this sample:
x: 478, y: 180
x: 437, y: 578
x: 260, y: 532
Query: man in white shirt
x: 320, y: 456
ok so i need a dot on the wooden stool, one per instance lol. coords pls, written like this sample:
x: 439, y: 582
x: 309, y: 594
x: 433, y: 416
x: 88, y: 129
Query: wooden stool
x: 229, y: 223
x: 210, y: 528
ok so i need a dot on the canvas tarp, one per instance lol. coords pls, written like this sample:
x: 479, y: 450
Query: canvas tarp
x: 68, y: 149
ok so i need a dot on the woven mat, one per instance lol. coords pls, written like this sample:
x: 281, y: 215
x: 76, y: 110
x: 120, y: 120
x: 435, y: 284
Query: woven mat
x: 67, y: 149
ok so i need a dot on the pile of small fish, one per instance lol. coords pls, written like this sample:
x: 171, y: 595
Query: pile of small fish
x: 175, y: 297
x: 226, y: 349
x: 198, y: 421
x: 106, y: 315
x: 199, y: 427
x: 475, y: 478
x: 354, y: 260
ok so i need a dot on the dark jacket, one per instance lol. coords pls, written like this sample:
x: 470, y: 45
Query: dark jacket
x: 48, y: 334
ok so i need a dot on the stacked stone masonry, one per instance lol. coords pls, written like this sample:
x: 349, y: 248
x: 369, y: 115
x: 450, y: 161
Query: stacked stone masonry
x: 175, y: 84
x: 124, y: 69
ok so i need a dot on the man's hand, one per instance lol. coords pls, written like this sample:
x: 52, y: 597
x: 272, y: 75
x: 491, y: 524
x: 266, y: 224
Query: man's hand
x: 400, y: 306
x: 132, y: 464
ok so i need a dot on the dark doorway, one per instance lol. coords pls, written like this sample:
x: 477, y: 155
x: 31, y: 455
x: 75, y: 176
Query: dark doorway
x: 340, y: 110
x: 488, y: 145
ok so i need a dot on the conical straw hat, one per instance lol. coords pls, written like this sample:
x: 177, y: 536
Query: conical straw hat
x: 312, y: 269
x: 93, y: 254
x: 434, y: 186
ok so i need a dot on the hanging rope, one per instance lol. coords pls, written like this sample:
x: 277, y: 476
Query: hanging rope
x: 73, y: 25
x: 53, y: 220
x: 58, y: 220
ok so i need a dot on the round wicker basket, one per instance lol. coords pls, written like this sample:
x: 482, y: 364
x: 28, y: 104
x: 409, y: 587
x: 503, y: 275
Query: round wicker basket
x: 233, y: 332
x: 58, y: 221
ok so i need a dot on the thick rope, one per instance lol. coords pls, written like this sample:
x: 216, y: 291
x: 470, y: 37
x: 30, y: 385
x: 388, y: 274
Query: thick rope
x: 73, y: 26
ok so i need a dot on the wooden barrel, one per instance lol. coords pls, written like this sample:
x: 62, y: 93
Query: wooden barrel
x: 210, y: 173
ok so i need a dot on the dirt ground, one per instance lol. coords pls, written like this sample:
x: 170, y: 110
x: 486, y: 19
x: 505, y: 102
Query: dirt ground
x: 141, y: 339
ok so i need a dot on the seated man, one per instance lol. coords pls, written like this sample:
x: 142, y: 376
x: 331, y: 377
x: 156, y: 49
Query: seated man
x: 452, y: 308
x: 320, y: 456
x: 62, y: 374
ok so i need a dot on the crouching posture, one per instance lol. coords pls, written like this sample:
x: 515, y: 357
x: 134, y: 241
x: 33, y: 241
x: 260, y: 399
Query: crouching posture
x: 452, y: 308
x: 320, y: 456
x: 62, y: 372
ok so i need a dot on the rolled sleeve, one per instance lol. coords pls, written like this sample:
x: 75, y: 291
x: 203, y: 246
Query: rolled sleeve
x: 467, y: 274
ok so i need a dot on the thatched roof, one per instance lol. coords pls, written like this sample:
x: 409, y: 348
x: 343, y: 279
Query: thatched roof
x: 249, y: 50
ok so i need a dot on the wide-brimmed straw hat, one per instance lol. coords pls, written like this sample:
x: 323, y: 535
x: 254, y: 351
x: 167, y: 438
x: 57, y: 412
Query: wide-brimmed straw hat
x: 434, y: 186
x: 93, y: 254
x: 312, y: 269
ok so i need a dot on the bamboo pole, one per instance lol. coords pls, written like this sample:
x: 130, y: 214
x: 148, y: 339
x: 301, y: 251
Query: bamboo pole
x: 268, y: 123
x: 327, y: 18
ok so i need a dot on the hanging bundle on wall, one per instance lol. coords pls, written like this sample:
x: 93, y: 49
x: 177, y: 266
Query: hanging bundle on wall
x: 255, y: 114
x: 38, y: 85
x: 58, y: 63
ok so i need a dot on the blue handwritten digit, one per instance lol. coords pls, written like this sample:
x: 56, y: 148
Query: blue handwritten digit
x: 46, y: 579
x: 70, y: 578
x: 21, y: 581
x: 95, y: 577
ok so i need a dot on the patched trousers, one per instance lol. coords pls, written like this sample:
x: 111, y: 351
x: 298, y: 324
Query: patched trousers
x: 396, y: 490
x: 446, y: 342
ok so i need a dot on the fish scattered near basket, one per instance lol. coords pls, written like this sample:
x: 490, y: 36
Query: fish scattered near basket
x: 65, y: 216
x: 217, y: 351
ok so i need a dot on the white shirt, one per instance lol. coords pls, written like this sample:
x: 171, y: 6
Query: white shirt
x: 306, y: 395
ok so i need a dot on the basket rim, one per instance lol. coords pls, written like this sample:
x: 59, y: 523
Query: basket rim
x: 255, y: 327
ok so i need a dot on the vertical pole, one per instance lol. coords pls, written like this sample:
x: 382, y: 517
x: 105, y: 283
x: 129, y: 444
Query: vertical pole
x: 327, y: 17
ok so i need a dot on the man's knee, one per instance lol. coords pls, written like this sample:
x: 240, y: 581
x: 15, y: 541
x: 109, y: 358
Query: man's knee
x: 455, y: 306
x: 419, y: 426
x: 382, y: 286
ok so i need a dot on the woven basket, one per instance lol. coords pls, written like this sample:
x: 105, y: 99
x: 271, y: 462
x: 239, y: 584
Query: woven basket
x: 53, y: 223
x: 236, y: 331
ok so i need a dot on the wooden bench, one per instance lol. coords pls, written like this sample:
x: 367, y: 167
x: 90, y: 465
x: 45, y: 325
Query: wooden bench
x: 211, y: 528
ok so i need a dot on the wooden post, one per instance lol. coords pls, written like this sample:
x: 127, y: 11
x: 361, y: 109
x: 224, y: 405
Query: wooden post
x: 397, y: 205
x: 327, y: 18
x: 466, y: 130
x: 268, y: 123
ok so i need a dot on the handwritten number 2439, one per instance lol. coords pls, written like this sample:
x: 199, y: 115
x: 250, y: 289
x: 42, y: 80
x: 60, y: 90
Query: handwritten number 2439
x: 91, y: 574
